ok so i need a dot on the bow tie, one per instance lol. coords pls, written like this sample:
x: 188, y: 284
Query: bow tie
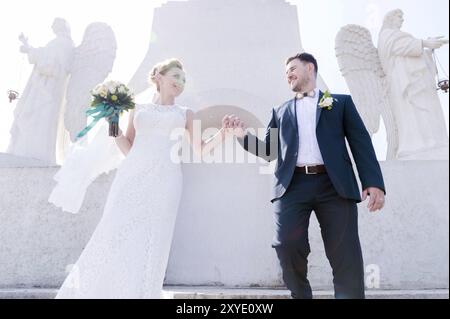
x: 310, y: 94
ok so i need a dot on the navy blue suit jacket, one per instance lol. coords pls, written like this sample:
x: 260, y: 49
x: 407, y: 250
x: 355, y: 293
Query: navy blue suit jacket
x: 332, y: 127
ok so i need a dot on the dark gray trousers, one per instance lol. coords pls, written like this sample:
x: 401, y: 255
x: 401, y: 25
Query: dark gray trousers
x: 338, y: 219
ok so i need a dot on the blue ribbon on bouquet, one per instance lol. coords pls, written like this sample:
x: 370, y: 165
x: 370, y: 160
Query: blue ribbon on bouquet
x: 97, y: 112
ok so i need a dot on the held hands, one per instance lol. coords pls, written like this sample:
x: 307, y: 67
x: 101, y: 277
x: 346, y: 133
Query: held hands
x: 376, y: 201
x: 233, y: 125
x: 434, y: 43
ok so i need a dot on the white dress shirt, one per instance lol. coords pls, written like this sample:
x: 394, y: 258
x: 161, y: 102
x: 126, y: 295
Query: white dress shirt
x: 308, y: 152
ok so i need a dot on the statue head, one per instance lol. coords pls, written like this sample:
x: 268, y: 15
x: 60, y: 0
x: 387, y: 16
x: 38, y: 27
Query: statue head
x: 393, y: 19
x: 169, y: 77
x: 61, y: 27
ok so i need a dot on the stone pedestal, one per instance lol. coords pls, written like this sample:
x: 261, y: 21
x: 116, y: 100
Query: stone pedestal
x: 224, y: 239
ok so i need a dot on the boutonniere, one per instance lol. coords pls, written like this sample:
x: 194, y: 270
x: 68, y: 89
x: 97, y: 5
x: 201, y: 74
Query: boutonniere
x: 326, y: 102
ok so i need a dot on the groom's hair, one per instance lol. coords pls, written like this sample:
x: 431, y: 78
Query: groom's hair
x: 306, y: 58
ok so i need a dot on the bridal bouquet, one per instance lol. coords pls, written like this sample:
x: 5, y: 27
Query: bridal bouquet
x: 109, y: 101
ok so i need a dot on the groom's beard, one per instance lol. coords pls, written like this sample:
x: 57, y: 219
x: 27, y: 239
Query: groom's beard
x: 298, y: 88
x: 302, y: 84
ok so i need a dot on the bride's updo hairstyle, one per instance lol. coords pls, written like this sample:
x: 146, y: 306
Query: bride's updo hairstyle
x: 162, y: 68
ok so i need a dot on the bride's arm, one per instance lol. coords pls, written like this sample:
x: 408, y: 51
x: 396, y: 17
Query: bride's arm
x: 125, y: 142
x: 199, y: 146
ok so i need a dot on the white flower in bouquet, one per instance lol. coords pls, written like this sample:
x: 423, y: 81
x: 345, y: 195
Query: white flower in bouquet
x: 122, y: 89
x: 111, y: 86
x: 103, y: 92
x: 100, y: 90
x: 96, y: 90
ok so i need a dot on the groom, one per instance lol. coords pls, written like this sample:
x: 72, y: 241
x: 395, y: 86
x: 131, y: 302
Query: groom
x: 314, y: 173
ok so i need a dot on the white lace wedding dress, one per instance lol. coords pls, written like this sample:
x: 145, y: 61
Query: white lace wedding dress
x: 128, y: 252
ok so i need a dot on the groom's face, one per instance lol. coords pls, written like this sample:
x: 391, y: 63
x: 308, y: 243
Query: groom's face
x: 298, y: 75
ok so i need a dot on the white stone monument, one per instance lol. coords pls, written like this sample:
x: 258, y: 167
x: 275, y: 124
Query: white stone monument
x: 58, y: 91
x: 396, y: 82
x: 37, y: 114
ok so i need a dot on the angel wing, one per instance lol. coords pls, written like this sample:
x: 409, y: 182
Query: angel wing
x: 93, y: 61
x: 361, y: 67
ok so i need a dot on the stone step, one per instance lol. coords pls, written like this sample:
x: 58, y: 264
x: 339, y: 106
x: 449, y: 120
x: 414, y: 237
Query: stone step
x: 176, y: 292
x: 262, y: 293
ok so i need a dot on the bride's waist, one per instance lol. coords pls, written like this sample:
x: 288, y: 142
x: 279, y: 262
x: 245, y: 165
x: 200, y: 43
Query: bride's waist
x: 149, y: 153
x: 154, y: 145
x: 135, y: 162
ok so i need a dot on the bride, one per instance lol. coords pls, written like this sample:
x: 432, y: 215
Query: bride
x: 128, y: 252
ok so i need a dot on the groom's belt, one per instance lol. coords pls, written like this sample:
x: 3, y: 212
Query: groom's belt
x: 311, y: 170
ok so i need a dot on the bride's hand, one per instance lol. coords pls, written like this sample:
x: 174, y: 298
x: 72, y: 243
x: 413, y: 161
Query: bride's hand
x: 227, y: 125
x: 240, y: 129
x: 120, y: 133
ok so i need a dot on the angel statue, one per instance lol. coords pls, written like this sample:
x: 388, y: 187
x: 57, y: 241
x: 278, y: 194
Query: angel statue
x: 58, y: 90
x: 395, y: 82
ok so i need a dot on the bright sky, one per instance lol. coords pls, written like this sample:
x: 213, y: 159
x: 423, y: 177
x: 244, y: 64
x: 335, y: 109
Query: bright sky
x: 320, y: 20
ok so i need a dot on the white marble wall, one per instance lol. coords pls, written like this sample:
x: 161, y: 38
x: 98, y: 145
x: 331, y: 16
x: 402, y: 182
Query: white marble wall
x: 225, y: 240
x: 227, y: 47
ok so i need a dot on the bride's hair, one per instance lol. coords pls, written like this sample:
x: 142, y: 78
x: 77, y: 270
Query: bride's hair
x: 163, y: 67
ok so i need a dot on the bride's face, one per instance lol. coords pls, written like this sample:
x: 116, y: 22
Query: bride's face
x: 173, y: 82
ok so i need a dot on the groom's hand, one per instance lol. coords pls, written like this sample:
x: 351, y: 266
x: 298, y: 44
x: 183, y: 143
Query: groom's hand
x: 235, y: 125
x: 376, y: 201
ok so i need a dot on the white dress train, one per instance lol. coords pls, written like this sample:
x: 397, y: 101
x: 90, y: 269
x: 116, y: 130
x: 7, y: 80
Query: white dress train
x: 128, y: 252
